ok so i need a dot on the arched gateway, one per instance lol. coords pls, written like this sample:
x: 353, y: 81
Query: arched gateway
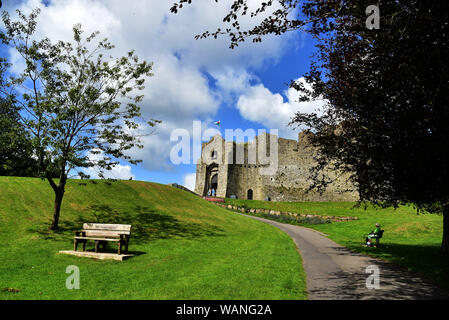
x: 211, y: 178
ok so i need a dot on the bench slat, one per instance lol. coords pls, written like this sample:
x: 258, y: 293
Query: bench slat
x: 107, y: 226
x: 102, y: 233
x: 93, y: 238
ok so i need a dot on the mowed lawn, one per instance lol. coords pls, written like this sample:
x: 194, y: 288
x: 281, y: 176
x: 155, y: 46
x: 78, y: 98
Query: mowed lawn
x: 410, y: 240
x: 187, y: 248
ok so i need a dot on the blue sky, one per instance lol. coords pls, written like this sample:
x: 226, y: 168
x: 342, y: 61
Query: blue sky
x: 193, y: 79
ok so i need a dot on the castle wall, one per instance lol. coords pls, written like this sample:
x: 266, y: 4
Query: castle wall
x: 290, y: 181
x: 200, y: 179
x: 243, y: 178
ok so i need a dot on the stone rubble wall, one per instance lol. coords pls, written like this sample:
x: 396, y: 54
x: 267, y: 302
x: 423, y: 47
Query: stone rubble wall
x: 176, y: 185
x: 285, y: 213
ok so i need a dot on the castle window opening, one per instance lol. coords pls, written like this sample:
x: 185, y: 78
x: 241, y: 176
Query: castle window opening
x: 213, y: 155
x: 250, y: 194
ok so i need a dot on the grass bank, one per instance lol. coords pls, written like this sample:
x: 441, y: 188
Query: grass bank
x: 188, y: 248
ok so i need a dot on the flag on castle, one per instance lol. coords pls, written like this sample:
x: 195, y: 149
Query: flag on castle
x: 217, y: 122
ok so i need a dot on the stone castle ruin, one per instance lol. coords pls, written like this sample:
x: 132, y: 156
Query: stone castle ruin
x: 268, y: 168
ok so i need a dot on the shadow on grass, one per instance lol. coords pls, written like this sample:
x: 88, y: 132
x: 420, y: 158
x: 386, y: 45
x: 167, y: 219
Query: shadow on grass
x: 428, y: 279
x: 111, y: 247
x: 394, y: 284
x: 147, y: 224
x: 424, y: 260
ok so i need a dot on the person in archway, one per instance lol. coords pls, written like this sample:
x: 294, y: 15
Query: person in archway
x: 209, y: 192
x: 213, y: 192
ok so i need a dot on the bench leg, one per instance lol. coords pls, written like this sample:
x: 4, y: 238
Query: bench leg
x: 75, y: 244
x: 97, y: 243
x: 84, y: 245
x: 126, y: 246
x: 104, y: 245
x: 120, y: 247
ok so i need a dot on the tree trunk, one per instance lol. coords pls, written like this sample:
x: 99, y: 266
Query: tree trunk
x: 59, y: 194
x: 445, y: 243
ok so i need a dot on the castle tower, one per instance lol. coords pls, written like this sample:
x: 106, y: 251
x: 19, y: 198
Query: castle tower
x: 211, y: 169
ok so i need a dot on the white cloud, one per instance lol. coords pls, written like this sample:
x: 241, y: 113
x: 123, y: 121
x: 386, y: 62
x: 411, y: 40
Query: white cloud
x: 233, y: 82
x: 157, y: 156
x: 260, y: 105
x: 214, y: 54
x: 179, y: 92
x: 188, y: 181
x: 120, y: 172
x: 56, y: 21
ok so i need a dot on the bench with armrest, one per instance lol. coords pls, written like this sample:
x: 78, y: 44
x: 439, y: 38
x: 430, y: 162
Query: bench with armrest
x: 102, y: 233
x: 377, y: 236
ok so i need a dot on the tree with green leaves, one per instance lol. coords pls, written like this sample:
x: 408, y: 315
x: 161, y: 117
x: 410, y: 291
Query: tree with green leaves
x: 386, y: 90
x: 75, y: 101
x: 15, y: 144
x: 16, y: 149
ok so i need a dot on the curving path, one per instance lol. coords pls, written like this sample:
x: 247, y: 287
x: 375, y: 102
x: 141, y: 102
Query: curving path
x: 334, y: 272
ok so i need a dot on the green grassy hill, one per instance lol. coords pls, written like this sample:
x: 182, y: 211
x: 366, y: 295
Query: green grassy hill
x: 188, y: 248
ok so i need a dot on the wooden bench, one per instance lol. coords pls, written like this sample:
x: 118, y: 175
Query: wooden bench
x: 375, y: 236
x: 379, y: 236
x: 102, y: 233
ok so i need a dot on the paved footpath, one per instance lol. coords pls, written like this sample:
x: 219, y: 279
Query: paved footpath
x: 334, y: 272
